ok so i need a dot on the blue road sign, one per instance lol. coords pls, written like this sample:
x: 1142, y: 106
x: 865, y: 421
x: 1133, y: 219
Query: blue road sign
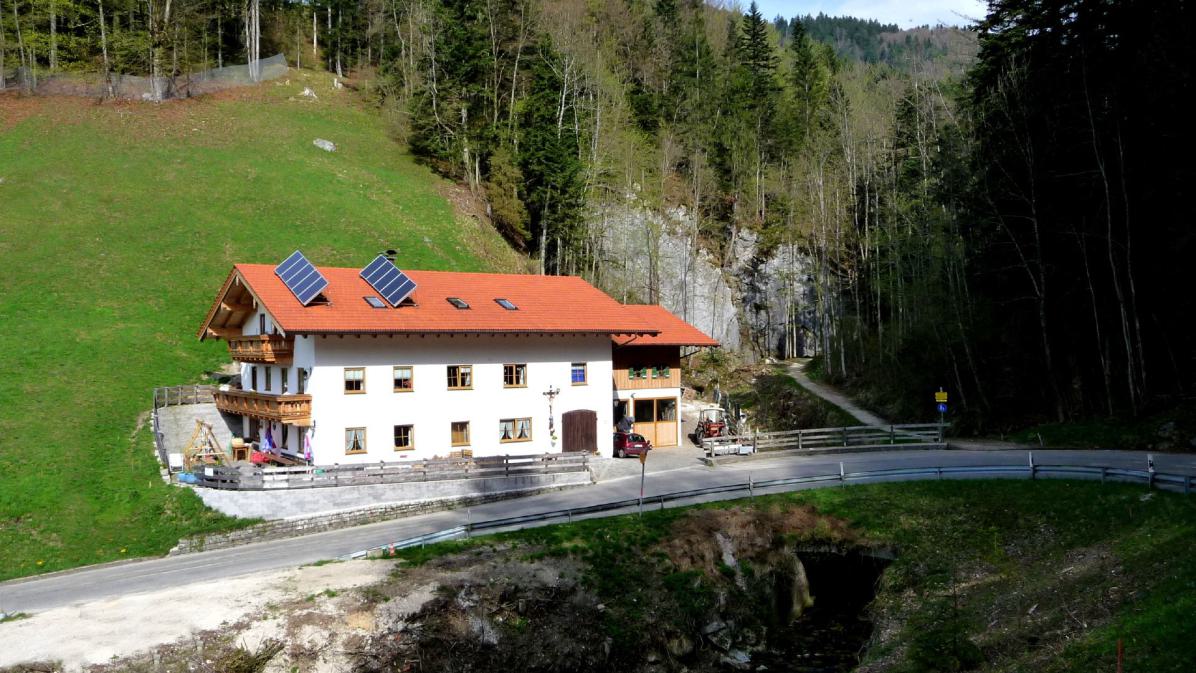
x: 942, y: 407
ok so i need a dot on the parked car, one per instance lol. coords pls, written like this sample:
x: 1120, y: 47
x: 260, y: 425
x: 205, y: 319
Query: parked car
x: 630, y: 444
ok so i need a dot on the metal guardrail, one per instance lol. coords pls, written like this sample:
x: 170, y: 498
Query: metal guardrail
x: 856, y: 436
x: 1031, y: 470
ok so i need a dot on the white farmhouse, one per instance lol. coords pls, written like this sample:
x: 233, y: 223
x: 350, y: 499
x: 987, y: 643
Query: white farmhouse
x: 338, y: 366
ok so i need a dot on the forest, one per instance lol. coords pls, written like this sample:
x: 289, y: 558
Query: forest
x: 999, y: 211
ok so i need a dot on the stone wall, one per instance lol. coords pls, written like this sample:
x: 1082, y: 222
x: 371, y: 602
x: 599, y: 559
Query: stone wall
x: 292, y: 503
x: 306, y: 525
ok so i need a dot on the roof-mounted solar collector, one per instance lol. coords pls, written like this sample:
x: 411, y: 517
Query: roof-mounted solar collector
x: 388, y: 280
x: 301, y: 278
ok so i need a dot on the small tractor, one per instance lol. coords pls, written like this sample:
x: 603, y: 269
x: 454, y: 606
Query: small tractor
x: 712, y: 422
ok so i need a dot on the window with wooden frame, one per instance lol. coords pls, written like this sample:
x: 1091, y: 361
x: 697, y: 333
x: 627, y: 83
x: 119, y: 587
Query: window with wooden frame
x: 301, y: 375
x: 283, y: 382
x: 354, y: 440
x: 460, y: 433
x: 261, y: 323
x: 661, y: 372
x: 267, y: 372
x: 460, y: 377
x: 645, y: 411
x: 252, y: 377
x: 577, y: 374
x: 404, y: 379
x: 354, y: 380
x: 514, y: 376
x: 515, y: 430
x: 404, y: 437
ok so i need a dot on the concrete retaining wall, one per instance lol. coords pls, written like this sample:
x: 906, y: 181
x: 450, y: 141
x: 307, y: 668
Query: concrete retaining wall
x: 292, y: 503
x: 177, y: 423
x: 314, y: 523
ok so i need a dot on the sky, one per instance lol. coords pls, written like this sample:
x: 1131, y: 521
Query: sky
x: 904, y: 13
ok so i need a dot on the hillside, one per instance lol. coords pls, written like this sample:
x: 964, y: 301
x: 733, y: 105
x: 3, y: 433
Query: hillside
x: 117, y: 224
x: 938, y: 51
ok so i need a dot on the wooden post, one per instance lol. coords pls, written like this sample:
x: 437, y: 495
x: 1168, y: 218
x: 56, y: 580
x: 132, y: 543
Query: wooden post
x: 844, y: 436
x: 892, y: 435
x: 799, y: 436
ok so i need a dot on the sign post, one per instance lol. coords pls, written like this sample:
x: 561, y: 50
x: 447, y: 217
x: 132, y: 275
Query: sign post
x: 643, y: 468
x: 940, y: 399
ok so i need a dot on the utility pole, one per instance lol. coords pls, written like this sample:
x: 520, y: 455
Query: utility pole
x: 643, y: 469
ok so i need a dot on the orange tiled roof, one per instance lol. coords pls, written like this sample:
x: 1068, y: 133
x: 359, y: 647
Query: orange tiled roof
x: 672, y: 331
x: 546, y: 304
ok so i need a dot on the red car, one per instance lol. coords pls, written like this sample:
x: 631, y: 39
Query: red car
x: 630, y: 444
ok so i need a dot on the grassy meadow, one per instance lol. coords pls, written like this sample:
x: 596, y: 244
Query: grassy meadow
x: 118, y: 222
x: 990, y: 575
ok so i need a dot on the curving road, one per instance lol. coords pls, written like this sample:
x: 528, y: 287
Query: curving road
x: 88, y: 584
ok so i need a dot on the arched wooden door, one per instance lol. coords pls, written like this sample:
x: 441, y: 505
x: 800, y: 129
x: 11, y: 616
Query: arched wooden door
x: 580, y: 430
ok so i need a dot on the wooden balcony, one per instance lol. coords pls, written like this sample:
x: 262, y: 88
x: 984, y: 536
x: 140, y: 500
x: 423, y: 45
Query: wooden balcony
x: 271, y: 349
x: 292, y: 409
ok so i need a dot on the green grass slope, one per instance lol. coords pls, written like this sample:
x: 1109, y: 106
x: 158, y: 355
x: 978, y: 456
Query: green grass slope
x: 117, y: 225
x: 991, y: 576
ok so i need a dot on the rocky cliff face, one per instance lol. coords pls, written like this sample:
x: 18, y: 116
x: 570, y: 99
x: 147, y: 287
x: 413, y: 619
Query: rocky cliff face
x: 755, y: 300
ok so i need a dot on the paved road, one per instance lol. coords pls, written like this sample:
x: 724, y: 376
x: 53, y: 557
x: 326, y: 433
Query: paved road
x: 35, y: 594
x: 865, y: 417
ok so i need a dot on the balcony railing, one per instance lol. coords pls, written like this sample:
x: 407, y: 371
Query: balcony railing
x: 292, y: 409
x: 264, y: 348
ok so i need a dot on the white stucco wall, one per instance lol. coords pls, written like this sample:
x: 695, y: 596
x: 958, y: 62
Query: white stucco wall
x: 432, y: 407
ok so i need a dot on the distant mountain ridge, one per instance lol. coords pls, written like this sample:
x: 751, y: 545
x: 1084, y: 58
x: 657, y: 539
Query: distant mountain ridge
x: 949, y: 48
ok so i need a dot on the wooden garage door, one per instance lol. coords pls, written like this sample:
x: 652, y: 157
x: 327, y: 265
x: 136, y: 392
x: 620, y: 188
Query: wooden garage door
x: 581, y: 430
x: 656, y: 420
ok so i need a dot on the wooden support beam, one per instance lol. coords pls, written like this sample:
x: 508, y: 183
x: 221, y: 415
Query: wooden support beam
x: 236, y: 308
x: 223, y: 332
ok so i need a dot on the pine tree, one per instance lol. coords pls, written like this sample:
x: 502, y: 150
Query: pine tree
x: 549, y: 159
x: 757, y: 61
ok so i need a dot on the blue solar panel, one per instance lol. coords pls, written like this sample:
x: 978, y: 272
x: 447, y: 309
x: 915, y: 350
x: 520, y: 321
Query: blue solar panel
x: 385, y: 277
x: 301, y: 278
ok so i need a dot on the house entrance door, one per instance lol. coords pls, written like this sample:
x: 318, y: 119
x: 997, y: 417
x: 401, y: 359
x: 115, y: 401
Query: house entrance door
x: 656, y: 420
x: 580, y: 430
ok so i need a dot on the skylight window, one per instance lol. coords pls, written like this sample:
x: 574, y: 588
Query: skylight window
x: 374, y: 301
x: 458, y: 302
x: 506, y: 303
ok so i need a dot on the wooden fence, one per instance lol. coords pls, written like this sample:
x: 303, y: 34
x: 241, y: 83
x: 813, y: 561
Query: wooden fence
x: 170, y: 396
x: 860, y: 436
x: 317, y: 476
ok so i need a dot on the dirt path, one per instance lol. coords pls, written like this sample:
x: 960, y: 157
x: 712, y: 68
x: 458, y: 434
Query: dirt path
x: 865, y: 417
x: 88, y: 634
